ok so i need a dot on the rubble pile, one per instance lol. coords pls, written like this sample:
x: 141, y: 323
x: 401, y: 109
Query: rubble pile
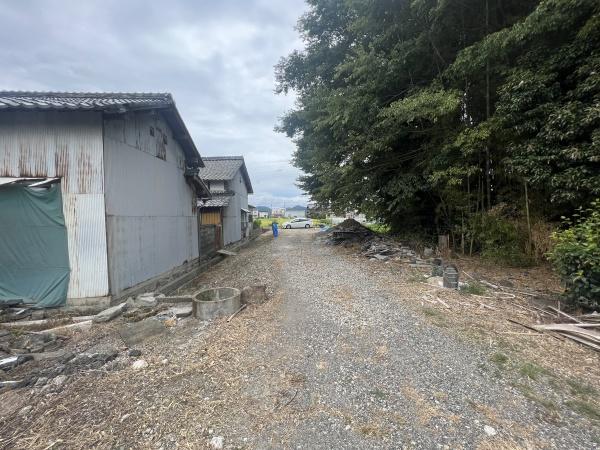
x: 49, y: 357
x: 348, y: 232
x: 46, y: 359
x: 375, y: 246
x: 48, y: 363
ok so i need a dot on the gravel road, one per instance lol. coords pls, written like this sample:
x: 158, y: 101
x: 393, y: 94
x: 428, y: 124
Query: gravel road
x: 333, y: 360
x: 365, y: 371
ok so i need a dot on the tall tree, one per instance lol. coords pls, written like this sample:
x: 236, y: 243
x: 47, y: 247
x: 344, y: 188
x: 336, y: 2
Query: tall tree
x: 421, y: 112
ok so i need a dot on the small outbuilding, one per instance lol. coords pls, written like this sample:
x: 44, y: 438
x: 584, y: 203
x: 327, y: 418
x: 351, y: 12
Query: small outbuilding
x: 97, y: 195
x: 227, y: 208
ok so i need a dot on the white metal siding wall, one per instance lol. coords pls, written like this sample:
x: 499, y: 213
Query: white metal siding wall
x: 66, y: 145
x: 151, y: 221
x: 232, y: 215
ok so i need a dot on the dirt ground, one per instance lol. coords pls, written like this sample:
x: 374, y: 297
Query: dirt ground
x: 346, y: 353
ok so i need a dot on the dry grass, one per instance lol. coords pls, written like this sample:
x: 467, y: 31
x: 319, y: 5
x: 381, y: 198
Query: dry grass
x: 100, y: 409
x: 484, y: 319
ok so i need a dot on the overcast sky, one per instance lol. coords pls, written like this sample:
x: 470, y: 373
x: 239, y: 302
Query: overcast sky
x: 215, y: 57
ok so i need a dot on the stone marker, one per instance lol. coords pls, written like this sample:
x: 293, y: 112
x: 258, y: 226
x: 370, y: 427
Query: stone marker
x: 254, y: 294
x: 450, y: 277
x: 134, y: 333
x: 110, y: 313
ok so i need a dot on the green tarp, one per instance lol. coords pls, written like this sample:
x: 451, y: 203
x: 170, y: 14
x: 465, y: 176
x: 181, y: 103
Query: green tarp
x: 34, y: 258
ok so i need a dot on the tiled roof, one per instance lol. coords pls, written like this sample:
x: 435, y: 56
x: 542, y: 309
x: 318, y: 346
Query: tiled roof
x: 106, y: 102
x: 87, y: 101
x: 217, y: 201
x: 223, y: 168
x: 220, y: 168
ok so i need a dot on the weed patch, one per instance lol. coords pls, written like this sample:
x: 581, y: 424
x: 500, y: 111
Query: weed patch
x: 577, y: 388
x: 533, y: 371
x: 530, y: 394
x: 378, y: 394
x: 474, y: 288
x: 584, y: 408
x: 437, y: 317
x: 500, y: 359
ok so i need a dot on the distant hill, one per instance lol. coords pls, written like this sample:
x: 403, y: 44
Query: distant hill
x: 297, y: 207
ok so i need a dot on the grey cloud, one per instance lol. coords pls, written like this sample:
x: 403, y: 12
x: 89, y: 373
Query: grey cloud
x: 216, y: 58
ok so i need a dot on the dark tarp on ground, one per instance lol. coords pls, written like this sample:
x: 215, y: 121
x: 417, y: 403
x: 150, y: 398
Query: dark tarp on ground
x: 34, y: 258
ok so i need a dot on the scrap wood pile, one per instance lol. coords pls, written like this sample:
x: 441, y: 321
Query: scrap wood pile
x: 373, y: 245
x: 584, y: 329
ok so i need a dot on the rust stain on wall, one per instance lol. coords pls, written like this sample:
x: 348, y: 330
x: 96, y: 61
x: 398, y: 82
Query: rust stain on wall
x: 85, y: 172
x: 61, y: 163
x: 32, y: 163
x: 5, y: 168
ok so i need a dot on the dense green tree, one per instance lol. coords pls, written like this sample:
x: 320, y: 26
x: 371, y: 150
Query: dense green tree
x: 428, y: 112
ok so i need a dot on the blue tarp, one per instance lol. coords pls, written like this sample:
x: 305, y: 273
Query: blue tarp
x: 34, y: 257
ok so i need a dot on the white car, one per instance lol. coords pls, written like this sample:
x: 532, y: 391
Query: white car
x: 297, y: 223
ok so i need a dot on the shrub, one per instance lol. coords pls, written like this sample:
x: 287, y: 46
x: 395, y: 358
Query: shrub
x: 474, y: 288
x: 576, y: 257
x: 502, y: 240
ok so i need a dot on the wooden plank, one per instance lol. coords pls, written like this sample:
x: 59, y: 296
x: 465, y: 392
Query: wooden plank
x: 582, y: 341
x: 226, y: 252
x: 533, y: 329
x: 564, y: 314
x: 571, y: 329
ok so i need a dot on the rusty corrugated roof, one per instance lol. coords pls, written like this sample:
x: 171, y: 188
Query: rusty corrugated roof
x: 109, y: 102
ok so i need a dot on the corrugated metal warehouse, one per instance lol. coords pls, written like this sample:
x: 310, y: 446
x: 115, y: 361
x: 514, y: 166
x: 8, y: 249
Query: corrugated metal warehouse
x: 127, y: 169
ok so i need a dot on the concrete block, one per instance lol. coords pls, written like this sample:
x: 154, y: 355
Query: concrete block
x: 134, y: 333
x: 146, y: 300
x: 110, y: 313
